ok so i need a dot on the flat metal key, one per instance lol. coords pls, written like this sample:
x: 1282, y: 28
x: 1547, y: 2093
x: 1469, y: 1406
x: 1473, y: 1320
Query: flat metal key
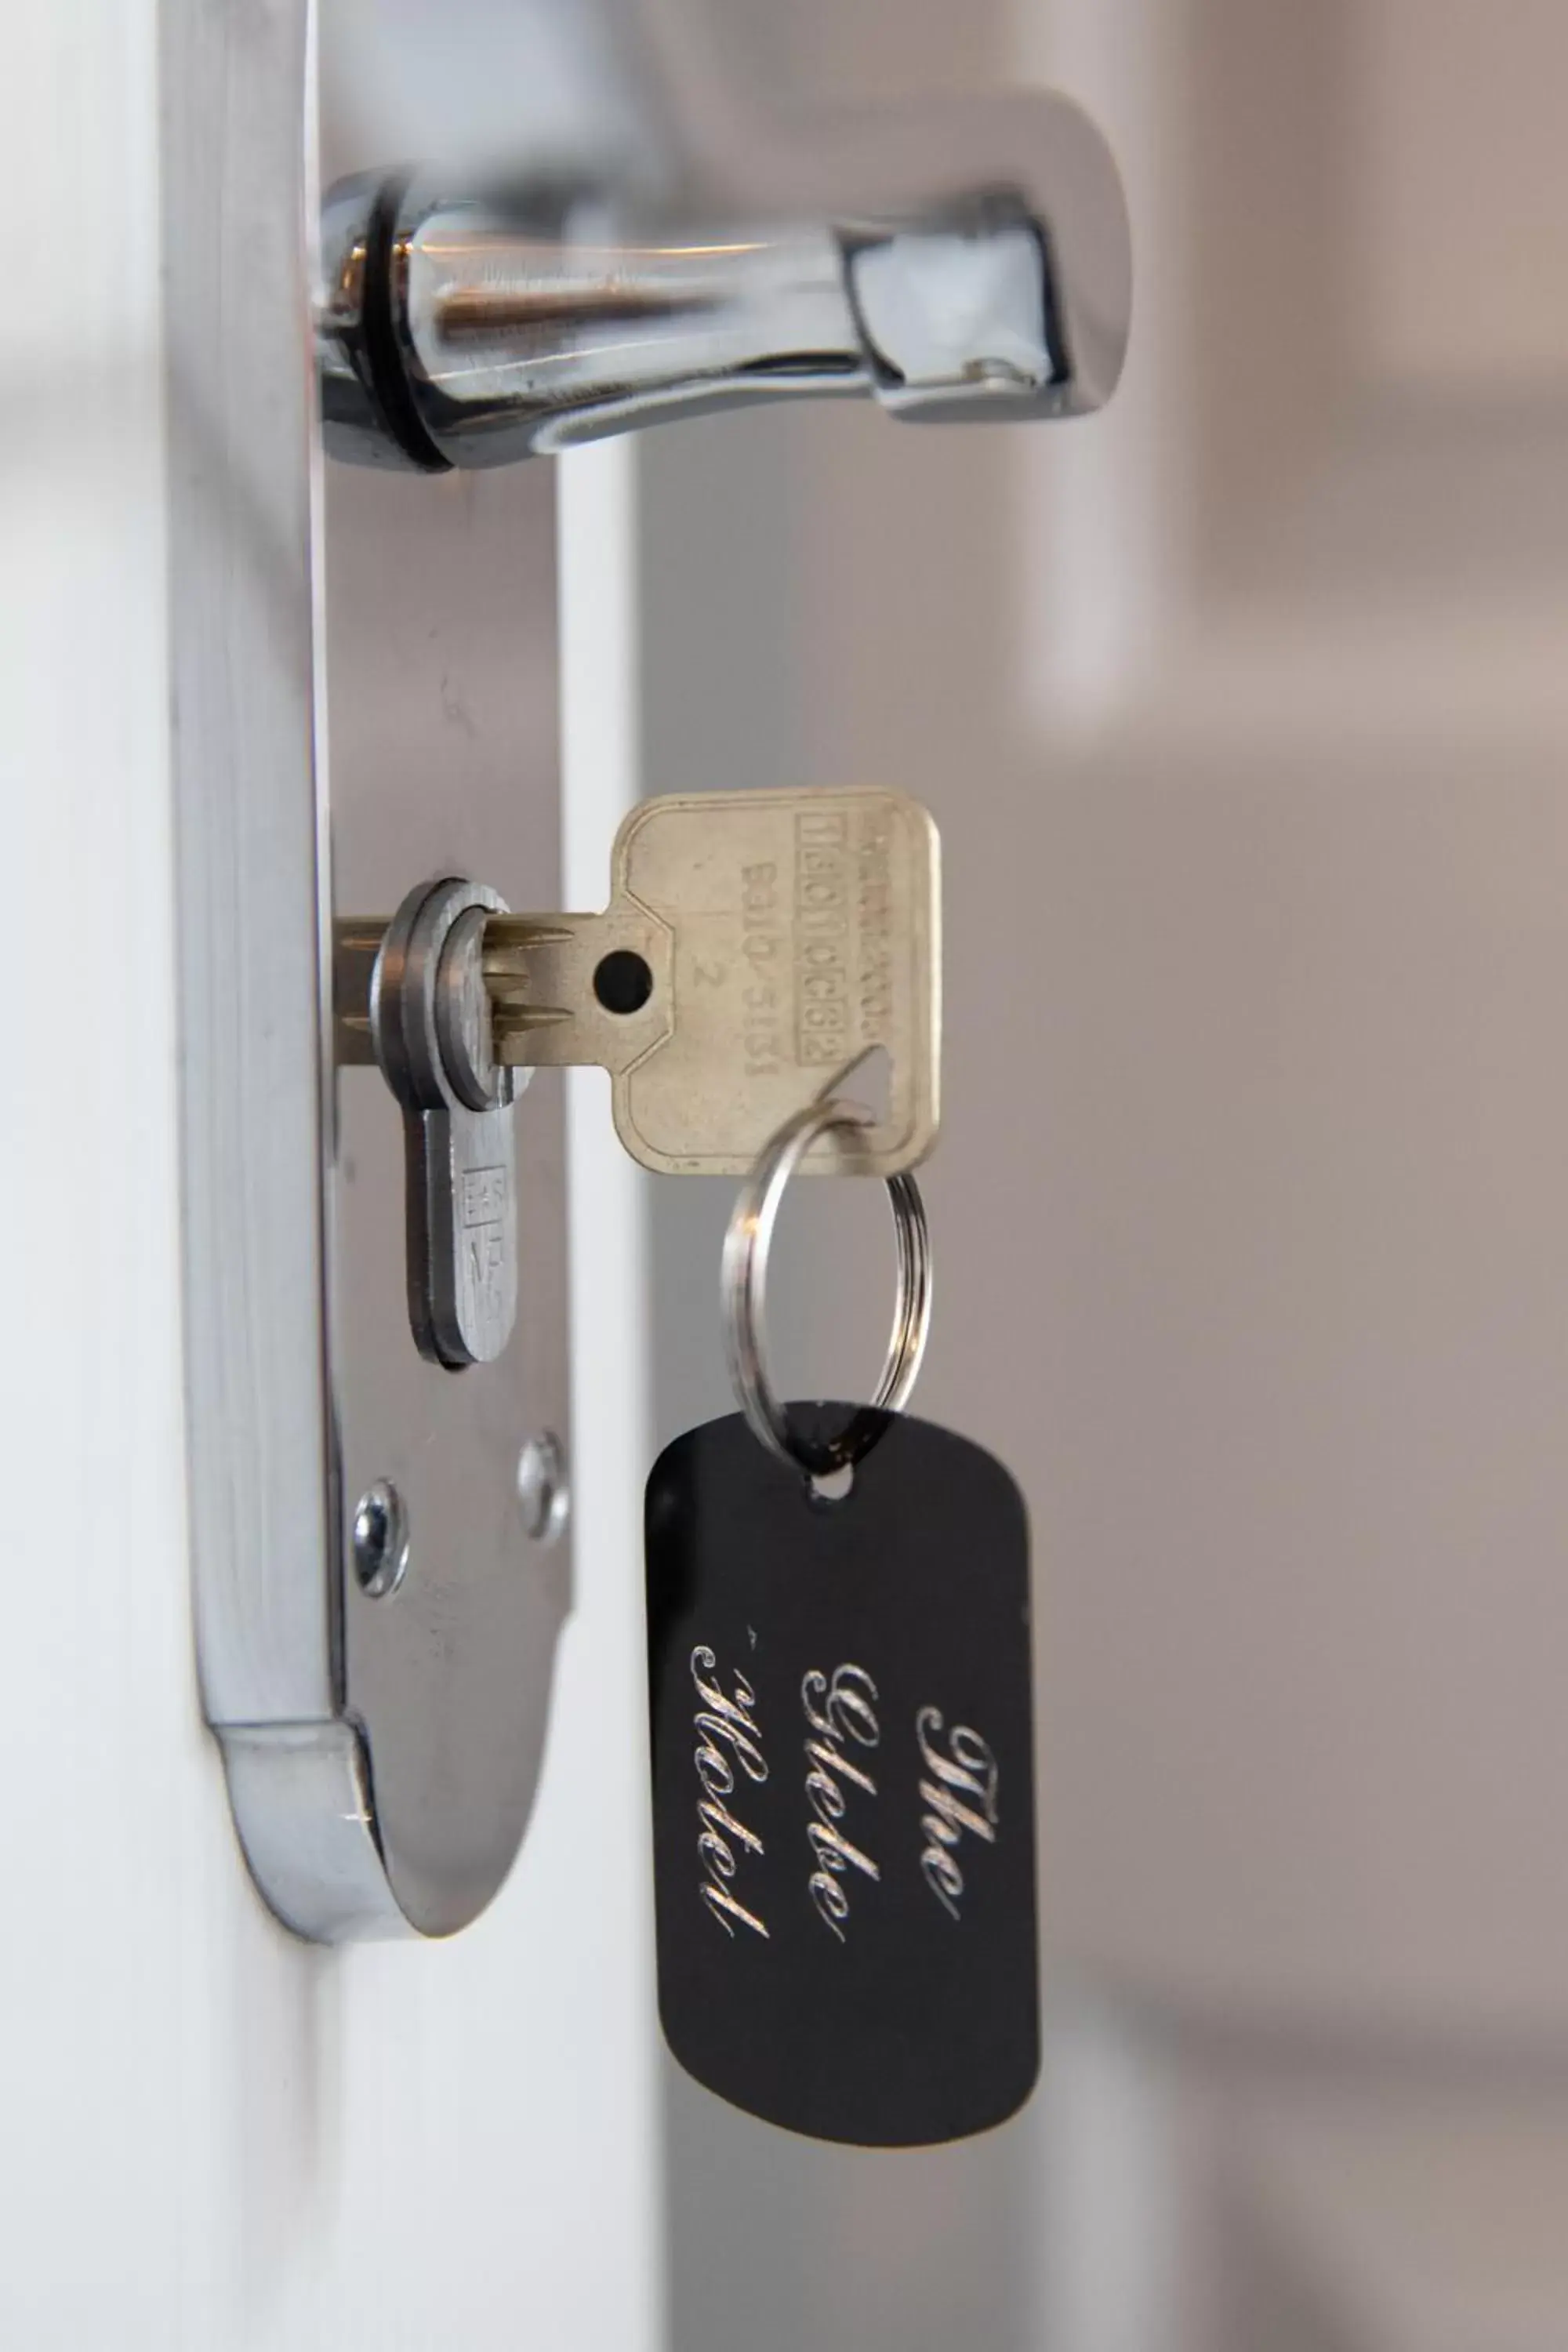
x: 755, y: 947
x: 755, y: 943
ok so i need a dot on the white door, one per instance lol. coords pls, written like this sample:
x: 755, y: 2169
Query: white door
x: 215, y: 2135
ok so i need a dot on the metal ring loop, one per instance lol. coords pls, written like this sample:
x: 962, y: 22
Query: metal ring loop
x: 744, y: 1282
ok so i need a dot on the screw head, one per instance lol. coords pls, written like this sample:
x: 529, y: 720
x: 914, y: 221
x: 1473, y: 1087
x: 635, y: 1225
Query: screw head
x: 379, y: 1540
x: 542, y: 1489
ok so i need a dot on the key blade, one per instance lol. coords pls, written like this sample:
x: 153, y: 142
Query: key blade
x: 549, y: 978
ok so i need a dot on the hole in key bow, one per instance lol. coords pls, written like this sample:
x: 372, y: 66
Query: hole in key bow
x: 622, y: 980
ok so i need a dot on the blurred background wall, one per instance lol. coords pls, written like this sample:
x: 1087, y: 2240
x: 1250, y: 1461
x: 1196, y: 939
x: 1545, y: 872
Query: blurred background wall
x: 1243, y: 709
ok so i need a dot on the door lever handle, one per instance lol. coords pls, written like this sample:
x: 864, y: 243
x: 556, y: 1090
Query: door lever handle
x: 476, y: 329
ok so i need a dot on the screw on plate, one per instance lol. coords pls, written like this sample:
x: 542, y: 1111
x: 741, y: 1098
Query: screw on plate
x: 380, y: 1538
x: 542, y: 1489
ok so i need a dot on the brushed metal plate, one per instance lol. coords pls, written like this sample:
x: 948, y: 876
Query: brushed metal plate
x: 364, y: 695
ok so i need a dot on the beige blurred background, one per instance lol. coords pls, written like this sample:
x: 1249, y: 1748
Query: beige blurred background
x: 1243, y: 709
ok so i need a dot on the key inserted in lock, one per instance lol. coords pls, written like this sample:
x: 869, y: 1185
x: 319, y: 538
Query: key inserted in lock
x: 754, y: 942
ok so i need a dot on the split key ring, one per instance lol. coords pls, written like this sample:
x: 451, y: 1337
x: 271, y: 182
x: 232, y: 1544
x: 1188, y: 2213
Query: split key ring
x: 743, y: 1281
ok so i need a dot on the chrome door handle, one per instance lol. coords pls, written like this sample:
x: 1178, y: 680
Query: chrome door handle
x: 475, y: 327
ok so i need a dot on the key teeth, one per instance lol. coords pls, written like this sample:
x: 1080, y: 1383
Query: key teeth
x: 510, y: 939
x: 506, y: 964
x: 513, y: 1027
x: 512, y: 1010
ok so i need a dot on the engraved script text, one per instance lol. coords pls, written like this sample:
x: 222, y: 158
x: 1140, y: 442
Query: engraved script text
x: 837, y: 1711
x: 725, y: 1725
x: 962, y: 1794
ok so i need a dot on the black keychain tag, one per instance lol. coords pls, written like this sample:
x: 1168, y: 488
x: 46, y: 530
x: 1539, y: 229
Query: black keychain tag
x: 843, y: 1781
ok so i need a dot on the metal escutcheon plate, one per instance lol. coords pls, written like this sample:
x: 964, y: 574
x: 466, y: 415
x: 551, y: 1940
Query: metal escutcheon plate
x: 377, y: 1605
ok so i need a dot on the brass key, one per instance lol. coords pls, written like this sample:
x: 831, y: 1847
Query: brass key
x: 754, y: 944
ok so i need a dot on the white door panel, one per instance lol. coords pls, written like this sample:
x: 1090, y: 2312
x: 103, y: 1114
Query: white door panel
x: 216, y: 2137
